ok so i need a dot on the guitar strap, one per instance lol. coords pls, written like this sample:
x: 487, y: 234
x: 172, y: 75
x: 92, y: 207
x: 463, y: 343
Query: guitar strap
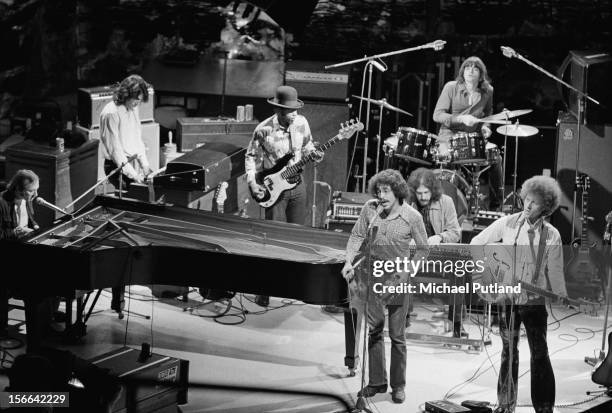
x: 541, y: 247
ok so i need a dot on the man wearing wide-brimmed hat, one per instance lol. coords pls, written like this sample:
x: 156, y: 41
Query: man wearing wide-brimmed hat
x: 280, y: 134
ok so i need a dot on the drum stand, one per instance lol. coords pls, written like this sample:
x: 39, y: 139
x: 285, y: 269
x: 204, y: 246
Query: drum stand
x: 515, y: 196
x: 474, y: 205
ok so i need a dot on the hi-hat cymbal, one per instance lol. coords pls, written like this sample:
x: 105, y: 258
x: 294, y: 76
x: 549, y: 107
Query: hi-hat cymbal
x: 506, y: 114
x: 383, y: 103
x: 517, y: 130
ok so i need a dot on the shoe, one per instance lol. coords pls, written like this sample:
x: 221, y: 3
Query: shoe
x: 503, y: 409
x: 262, y: 300
x: 117, y: 306
x: 398, y: 395
x: 369, y: 391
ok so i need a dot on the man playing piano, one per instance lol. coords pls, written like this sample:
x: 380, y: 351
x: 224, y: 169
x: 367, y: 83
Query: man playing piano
x: 120, y: 134
x: 16, y: 210
x: 440, y: 218
x: 539, y: 245
x: 284, y: 132
x: 392, y: 224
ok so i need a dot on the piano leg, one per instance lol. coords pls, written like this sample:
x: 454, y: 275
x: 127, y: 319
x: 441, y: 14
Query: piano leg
x: 4, y: 308
x: 38, y: 314
x: 352, y: 327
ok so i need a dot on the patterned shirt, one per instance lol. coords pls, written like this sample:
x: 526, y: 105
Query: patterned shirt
x: 271, y: 141
x: 394, y: 234
x: 454, y: 101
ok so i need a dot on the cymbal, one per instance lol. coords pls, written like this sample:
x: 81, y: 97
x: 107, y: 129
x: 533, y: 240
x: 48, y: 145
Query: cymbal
x: 517, y: 130
x: 509, y: 114
x: 383, y: 103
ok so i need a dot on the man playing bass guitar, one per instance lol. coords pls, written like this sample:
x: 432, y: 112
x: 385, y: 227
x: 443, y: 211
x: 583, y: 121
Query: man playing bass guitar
x: 282, y: 133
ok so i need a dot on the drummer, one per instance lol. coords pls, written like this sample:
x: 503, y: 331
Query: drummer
x: 461, y: 104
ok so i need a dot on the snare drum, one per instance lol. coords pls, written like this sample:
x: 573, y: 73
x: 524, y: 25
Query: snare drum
x: 492, y: 153
x: 467, y: 148
x: 455, y: 186
x: 415, y: 145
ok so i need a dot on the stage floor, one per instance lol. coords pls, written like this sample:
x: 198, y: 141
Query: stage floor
x: 299, y: 347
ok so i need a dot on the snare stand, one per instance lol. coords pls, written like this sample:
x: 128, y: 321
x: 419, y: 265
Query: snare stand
x: 514, y: 195
x: 475, y: 174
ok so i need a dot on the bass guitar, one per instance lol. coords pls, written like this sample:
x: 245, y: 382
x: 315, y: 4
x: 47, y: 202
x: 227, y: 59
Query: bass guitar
x: 283, y: 177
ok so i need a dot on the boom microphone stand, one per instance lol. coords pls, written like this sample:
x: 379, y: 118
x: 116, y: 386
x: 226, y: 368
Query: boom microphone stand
x: 580, y: 96
x: 372, y: 61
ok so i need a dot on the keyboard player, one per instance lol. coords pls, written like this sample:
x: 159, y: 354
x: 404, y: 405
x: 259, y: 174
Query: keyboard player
x: 440, y: 218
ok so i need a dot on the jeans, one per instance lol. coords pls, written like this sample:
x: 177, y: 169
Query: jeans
x: 290, y: 207
x: 534, y: 318
x: 376, y: 344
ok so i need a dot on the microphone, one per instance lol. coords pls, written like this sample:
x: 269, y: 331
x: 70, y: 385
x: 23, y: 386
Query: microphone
x: 521, y: 222
x: 508, y: 51
x: 378, y: 66
x: 40, y: 201
x: 437, y: 45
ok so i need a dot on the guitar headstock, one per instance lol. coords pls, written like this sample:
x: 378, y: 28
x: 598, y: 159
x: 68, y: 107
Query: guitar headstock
x: 583, y: 182
x: 221, y: 196
x: 348, y: 129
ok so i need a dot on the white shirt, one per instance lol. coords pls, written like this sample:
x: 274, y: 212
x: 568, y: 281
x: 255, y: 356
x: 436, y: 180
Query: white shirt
x: 22, y: 214
x: 508, y: 229
x: 121, y: 137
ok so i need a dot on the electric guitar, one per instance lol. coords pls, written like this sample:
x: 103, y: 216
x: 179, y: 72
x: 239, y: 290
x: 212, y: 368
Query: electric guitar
x: 283, y: 177
x: 602, y: 372
x: 220, y: 197
x: 581, y: 269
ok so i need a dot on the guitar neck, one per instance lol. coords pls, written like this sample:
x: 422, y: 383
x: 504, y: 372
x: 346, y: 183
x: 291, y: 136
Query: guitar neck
x: 295, y: 168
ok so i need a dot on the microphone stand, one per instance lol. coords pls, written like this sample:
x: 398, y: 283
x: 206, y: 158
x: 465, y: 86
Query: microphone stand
x: 437, y: 45
x: 101, y: 181
x: 580, y: 97
x: 360, y: 405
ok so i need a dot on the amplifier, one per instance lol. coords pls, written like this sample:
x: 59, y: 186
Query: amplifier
x: 204, y: 168
x: 444, y: 406
x: 486, y: 218
x: 91, y: 101
x: 149, y: 385
x: 191, y: 131
x: 348, y: 205
x: 313, y: 82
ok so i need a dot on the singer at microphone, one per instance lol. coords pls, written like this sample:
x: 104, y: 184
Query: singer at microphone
x: 539, y: 263
x: 385, y: 230
x: 16, y: 211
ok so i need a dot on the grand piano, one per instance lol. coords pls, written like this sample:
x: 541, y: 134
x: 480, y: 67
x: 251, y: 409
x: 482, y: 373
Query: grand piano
x: 111, y: 242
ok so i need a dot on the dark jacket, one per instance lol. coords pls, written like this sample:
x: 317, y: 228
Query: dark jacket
x: 8, y: 217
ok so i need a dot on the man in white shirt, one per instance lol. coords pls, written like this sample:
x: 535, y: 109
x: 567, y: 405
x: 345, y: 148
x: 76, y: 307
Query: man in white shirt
x: 538, y: 261
x: 120, y: 131
x: 121, y: 138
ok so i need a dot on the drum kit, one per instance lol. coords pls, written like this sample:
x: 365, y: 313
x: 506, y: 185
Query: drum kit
x: 468, y: 150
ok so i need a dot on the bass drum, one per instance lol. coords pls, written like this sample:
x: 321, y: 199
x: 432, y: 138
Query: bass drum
x: 455, y: 186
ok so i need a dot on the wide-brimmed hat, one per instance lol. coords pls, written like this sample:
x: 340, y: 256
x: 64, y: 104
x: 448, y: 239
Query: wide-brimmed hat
x: 286, y: 97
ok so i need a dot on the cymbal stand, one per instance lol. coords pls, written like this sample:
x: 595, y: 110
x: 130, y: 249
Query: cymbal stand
x: 475, y: 197
x: 513, y: 194
x: 379, y: 136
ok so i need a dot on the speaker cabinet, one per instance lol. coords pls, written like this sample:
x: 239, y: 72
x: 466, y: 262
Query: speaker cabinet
x: 590, y: 73
x: 91, y: 101
x: 595, y: 152
x: 324, y: 120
